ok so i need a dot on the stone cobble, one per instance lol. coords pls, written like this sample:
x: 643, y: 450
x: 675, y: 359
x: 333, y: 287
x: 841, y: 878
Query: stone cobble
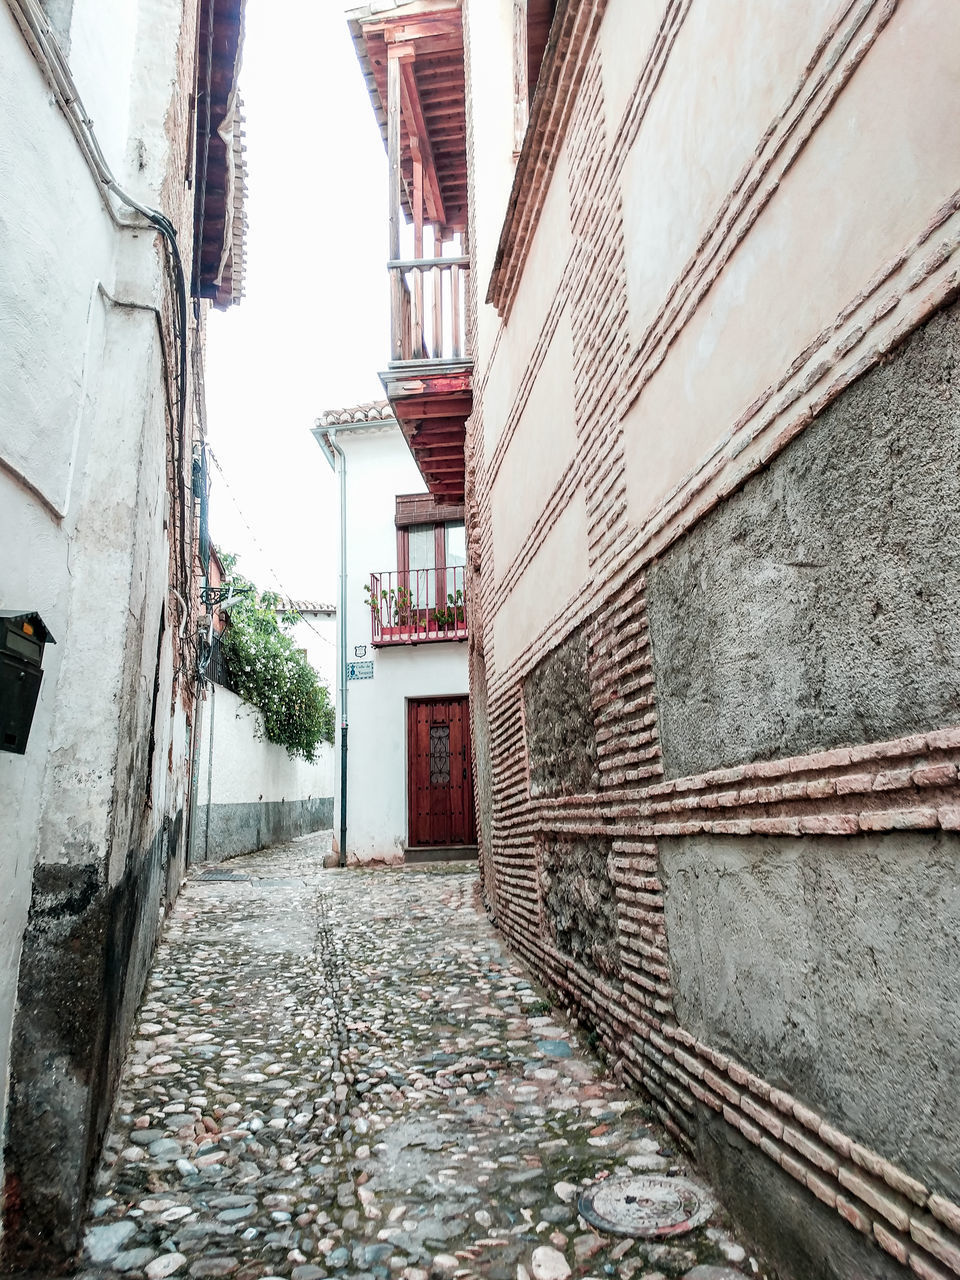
x: 346, y: 1074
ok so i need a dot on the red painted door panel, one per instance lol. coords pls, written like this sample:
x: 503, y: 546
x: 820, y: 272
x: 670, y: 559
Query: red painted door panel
x: 440, y: 790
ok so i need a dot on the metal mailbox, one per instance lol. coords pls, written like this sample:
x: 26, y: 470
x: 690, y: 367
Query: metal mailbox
x: 23, y: 637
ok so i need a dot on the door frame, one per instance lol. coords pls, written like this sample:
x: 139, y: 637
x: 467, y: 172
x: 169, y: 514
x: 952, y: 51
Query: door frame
x: 409, y: 701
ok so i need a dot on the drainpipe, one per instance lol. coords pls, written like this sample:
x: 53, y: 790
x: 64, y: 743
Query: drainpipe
x: 342, y: 665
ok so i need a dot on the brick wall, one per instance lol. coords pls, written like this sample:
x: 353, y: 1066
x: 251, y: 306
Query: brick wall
x: 875, y: 1200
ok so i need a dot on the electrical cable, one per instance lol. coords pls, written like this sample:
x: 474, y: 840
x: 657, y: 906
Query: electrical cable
x: 43, y: 43
x: 285, y: 594
x: 40, y: 37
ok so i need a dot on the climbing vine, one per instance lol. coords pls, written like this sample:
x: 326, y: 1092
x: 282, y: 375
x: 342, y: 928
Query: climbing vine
x: 270, y: 672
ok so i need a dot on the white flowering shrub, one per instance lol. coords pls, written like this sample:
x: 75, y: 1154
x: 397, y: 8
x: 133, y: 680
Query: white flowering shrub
x: 272, y: 674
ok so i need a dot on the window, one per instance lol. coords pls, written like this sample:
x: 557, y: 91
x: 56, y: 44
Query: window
x: 455, y: 556
x: 421, y: 563
x: 432, y: 559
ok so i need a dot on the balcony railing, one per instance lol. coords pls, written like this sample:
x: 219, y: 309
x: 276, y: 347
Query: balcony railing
x: 427, y: 309
x: 417, y: 605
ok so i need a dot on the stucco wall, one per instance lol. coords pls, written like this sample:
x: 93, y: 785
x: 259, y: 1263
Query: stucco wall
x: 252, y: 793
x: 830, y: 967
x: 380, y: 466
x: 92, y: 814
x: 820, y: 605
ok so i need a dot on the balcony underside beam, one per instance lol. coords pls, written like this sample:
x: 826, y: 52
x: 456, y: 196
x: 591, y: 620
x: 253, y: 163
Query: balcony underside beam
x: 417, y: 129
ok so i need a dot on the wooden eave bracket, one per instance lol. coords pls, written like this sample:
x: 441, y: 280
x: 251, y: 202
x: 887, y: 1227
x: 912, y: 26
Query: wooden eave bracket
x: 411, y: 109
x: 569, y: 45
x: 417, y: 128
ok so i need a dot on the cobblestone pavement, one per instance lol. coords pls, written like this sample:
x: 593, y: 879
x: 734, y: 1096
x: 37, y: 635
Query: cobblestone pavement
x: 346, y: 1074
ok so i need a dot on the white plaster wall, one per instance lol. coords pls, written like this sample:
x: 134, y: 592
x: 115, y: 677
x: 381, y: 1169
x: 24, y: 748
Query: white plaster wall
x: 379, y: 467
x: 316, y: 633
x: 82, y: 466
x: 243, y: 767
x: 727, y: 77
x: 488, y: 36
x: 45, y: 255
x: 538, y: 453
x: 627, y: 32
x: 555, y: 576
x: 377, y: 761
x: 549, y: 252
x: 102, y: 40
x: 868, y: 181
x: 41, y: 431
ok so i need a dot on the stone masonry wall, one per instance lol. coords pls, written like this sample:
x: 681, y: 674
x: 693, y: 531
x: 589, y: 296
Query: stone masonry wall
x: 580, y: 903
x: 561, y: 741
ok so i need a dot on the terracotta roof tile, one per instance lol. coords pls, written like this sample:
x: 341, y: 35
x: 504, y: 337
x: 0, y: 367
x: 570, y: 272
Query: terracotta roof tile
x: 371, y: 411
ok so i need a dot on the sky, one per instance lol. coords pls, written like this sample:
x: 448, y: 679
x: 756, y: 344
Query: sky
x: 312, y: 331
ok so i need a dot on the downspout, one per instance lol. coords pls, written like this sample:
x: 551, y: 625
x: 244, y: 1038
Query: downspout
x: 331, y: 435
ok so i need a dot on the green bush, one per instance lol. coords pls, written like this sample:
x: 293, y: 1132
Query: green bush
x: 272, y: 674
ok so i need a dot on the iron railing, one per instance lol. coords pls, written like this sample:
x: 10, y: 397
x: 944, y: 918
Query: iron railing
x: 408, y: 607
x: 216, y: 668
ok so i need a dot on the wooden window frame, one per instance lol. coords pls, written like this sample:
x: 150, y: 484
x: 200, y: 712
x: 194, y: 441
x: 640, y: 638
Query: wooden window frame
x: 439, y: 545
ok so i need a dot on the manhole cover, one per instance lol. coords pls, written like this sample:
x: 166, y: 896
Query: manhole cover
x: 645, y: 1206
x: 222, y: 875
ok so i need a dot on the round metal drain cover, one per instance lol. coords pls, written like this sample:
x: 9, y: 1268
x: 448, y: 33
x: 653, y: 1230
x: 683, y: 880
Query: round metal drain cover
x: 645, y: 1206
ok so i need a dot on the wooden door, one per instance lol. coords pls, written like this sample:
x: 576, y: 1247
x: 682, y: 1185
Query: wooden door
x: 440, y: 772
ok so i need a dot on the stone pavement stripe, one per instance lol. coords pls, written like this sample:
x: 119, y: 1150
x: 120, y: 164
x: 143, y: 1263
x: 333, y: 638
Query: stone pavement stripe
x: 346, y: 1074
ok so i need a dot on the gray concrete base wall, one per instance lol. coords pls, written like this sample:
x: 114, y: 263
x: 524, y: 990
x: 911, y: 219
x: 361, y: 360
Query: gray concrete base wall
x: 800, y: 1236
x: 228, y: 830
x: 86, y: 953
x: 820, y: 605
x: 831, y: 968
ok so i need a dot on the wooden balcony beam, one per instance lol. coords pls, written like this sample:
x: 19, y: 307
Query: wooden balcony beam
x: 424, y: 409
x: 422, y: 450
x: 430, y: 468
x: 449, y: 453
x: 439, y: 432
x: 417, y: 128
x: 423, y: 28
x: 393, y: 155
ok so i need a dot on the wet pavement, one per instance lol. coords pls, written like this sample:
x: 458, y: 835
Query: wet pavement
x: 346, y: 1074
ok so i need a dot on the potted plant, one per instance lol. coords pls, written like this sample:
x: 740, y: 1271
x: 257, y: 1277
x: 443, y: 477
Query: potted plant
x: 452, y: 614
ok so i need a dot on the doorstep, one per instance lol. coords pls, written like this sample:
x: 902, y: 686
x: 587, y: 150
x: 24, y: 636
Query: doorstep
x: 441, y: 853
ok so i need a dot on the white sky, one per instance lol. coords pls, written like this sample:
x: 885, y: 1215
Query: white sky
x: 312, y: 331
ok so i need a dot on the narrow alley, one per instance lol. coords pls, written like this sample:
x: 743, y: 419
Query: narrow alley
x: 346, y: 1074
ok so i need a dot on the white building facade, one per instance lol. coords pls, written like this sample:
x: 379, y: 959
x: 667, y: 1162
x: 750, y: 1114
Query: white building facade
x: 402, y: 707
x: 314, y: 631
x: 107, y: 185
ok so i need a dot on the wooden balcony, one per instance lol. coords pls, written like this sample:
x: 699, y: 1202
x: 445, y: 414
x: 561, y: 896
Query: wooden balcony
x: 418, y: 606
x: 429, y: 379
x: 427, y: 312
x: 411, y: 54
